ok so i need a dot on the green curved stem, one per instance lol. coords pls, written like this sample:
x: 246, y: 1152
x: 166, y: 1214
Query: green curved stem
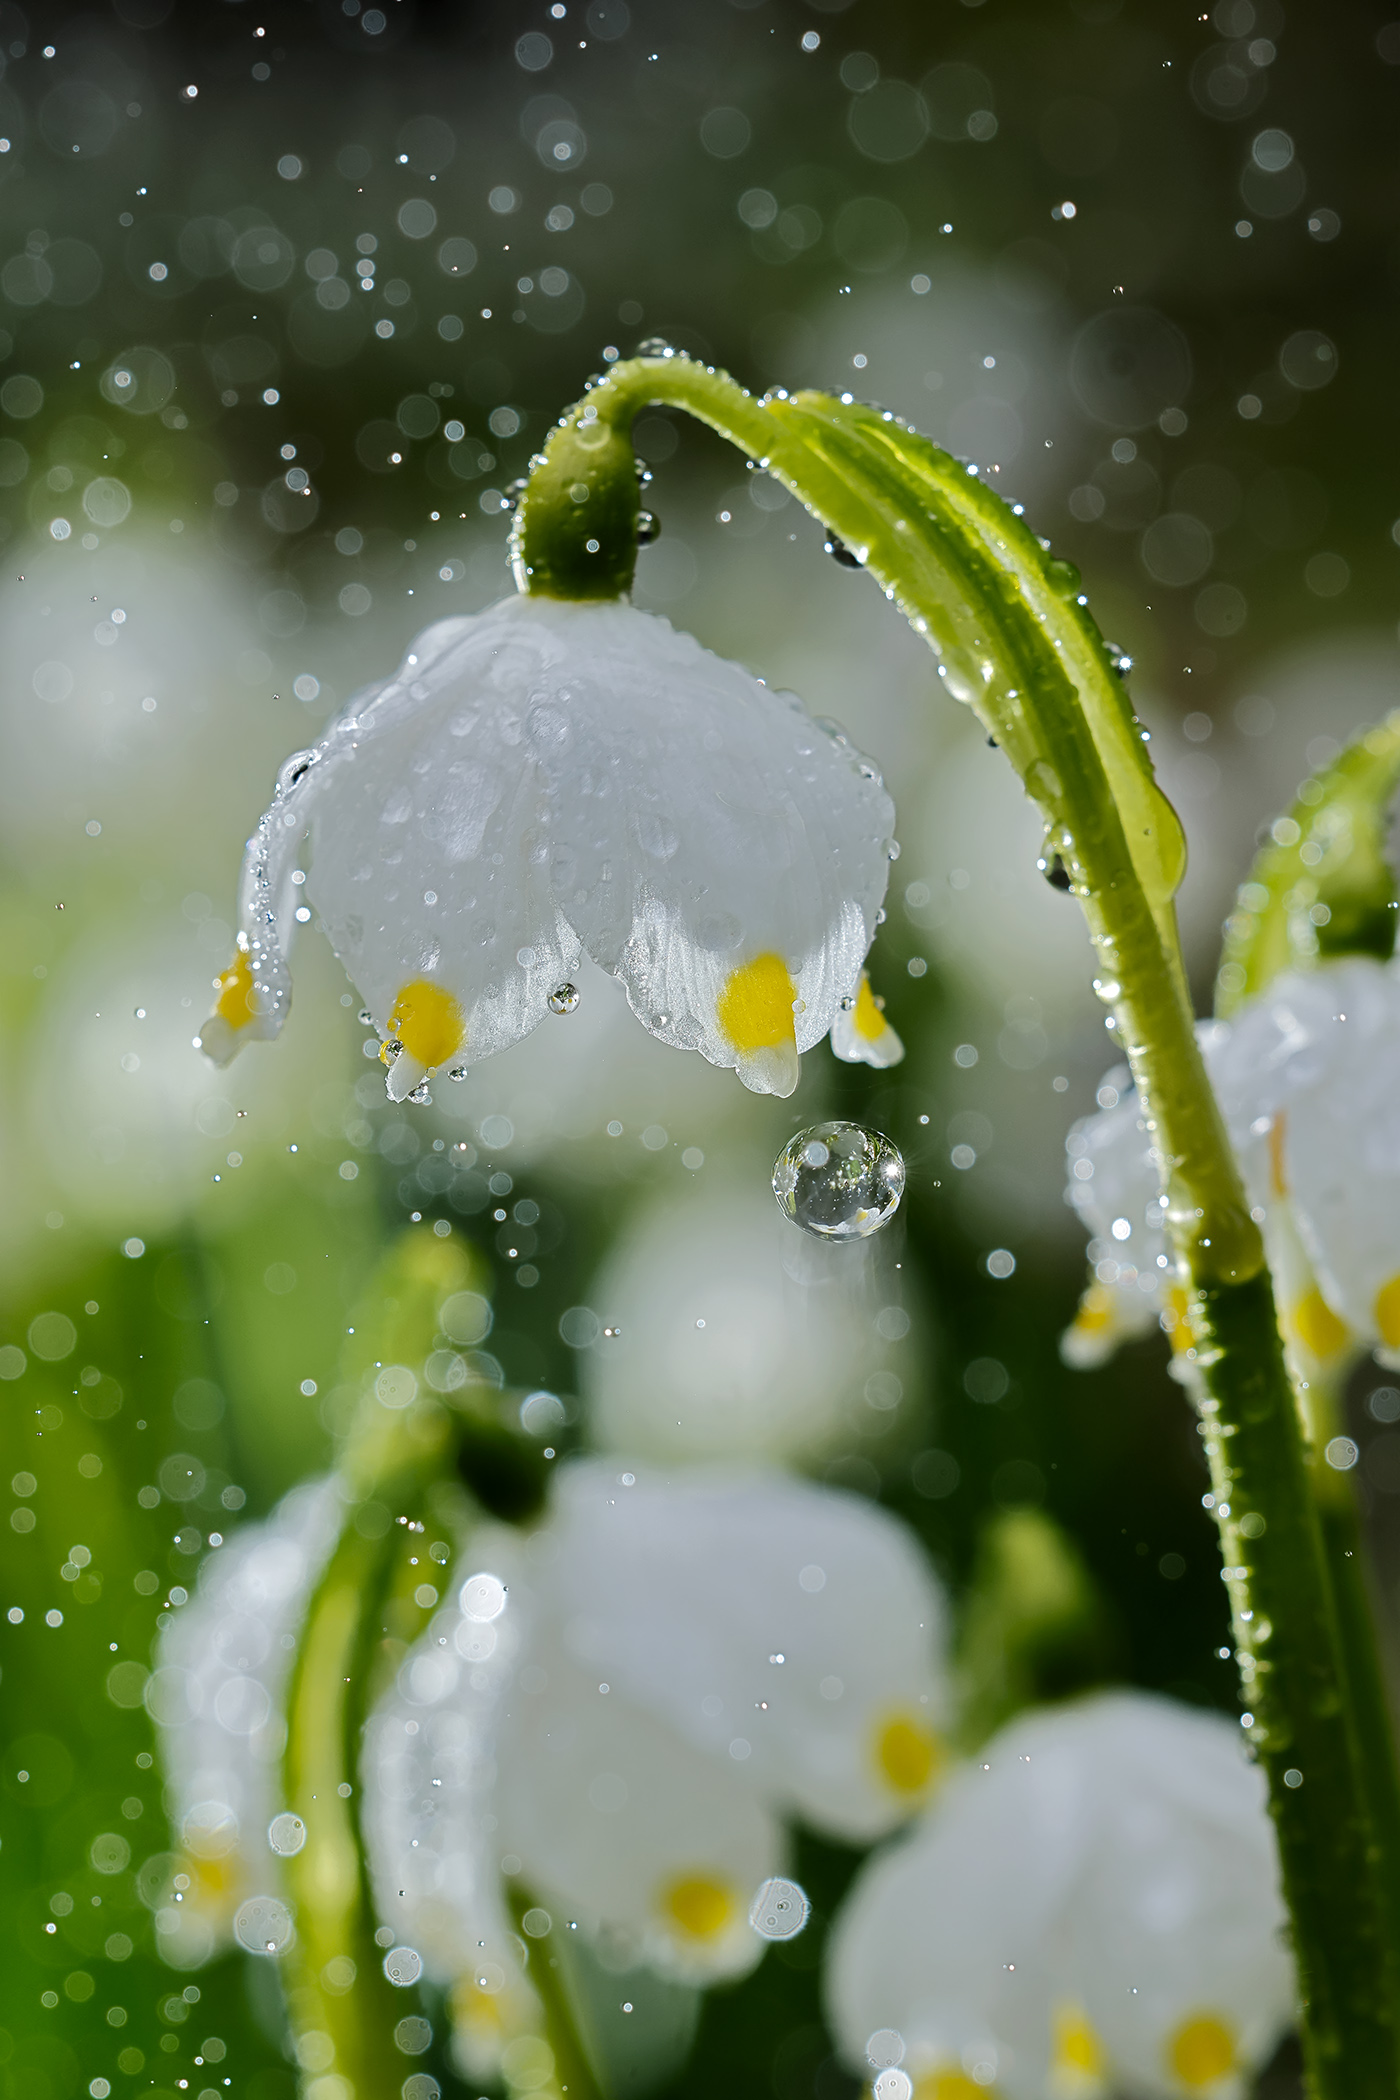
x: 342, y: 2007
x: 1015, y: 640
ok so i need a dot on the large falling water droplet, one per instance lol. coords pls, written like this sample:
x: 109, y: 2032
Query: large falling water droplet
x: 839, y: 1181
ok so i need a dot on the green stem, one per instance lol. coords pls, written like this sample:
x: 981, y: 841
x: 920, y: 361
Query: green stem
x: 545, y: 1956
x: 1016, y: 641
x: 342, y: 2007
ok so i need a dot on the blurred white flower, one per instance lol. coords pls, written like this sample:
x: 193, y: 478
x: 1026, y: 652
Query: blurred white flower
x: 619, y: 1713
x: 216, y: 1693
x: 1305, y: 1079
x: 1091, y: 1905
x: 131, y: 1132
x: 633, y: 1702
x: 545, y: 780
x: 732, y: 1335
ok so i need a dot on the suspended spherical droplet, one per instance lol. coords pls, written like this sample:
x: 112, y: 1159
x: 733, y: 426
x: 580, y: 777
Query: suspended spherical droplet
x: 839, y: 1181
x: 563, y: 999
x: 780, y: 1909
x: 263, y: 1925
x: 648, y: 527
x: 420, y: 1094
x: 286, y: 1834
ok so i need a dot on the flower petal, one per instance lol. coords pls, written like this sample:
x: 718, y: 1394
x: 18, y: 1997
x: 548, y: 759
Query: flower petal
x: 860, y: 1034
x: 653, y: 1847
x: 793, y: 1628
x: 216, y: 1693
x: 255, y: 991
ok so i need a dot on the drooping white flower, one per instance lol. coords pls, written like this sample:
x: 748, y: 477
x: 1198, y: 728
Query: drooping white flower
x: 1305, y: 1079
x: 670, y: 1671
x: 546, y: 780
x: 619, y: 1712
x: 1092, y: 1905
x: 216, y: 1693
x: 730, y: 1335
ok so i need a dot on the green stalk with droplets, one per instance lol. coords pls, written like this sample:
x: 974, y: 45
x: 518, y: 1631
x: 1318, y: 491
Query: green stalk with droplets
x: 1321, y: 887
x: 1015, y: 640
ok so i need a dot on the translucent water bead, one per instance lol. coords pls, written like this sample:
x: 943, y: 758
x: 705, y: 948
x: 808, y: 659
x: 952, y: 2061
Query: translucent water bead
x: 839, y: 1180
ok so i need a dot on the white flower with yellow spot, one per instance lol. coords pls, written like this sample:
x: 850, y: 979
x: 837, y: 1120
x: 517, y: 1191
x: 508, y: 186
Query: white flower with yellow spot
x: 1091, y: 1906
x: 546, y: 780
x: 691, y: 1663
x: 1305, y: 1079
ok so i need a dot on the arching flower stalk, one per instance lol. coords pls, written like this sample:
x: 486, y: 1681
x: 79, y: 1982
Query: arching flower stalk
x: 750, y: 976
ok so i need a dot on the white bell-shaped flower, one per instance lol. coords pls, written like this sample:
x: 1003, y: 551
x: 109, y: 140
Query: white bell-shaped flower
x: 793, y: 1629
x: 1091, y: 1906
x: 216, y: 1693
x: 727, y: 1334
x: 546, y: 780
x: 1305, y: 1079
x: 690, y: 1663
x: 619, y: 1712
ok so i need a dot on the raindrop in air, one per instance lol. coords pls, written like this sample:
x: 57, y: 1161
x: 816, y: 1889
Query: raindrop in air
x: 839, y: 551
x: 263, y: 1925
x: 839, y: 1181
x: 563, y: 999
x: 286, y: 1834
x: 779, y: 1910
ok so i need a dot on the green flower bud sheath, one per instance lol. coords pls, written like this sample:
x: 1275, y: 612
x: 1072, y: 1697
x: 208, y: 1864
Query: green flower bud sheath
x: 1014, y: 640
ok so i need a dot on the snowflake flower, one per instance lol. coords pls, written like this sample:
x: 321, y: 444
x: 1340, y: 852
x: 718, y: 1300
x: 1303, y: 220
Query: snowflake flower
x: 620, y: 1713
x: 1091, y: 1905
x: 671, y: 1671
x: 1305, y: 1079
x: 546, y: 780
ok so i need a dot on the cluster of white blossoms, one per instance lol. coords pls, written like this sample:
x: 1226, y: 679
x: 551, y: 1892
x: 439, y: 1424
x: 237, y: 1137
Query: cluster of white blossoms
x: 1305, y: 1076
x: 546, y: 780
x: 620, y: 1711
x: 1091, y: 1907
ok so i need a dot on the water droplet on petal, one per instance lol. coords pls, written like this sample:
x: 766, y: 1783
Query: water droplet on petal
x: 366, y: 1018
x: 838, y: 1180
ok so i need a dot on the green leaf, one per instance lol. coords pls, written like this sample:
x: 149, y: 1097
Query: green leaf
x: 1321, y: 886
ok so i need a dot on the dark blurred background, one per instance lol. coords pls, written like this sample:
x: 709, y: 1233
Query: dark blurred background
x: 288, y: 296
